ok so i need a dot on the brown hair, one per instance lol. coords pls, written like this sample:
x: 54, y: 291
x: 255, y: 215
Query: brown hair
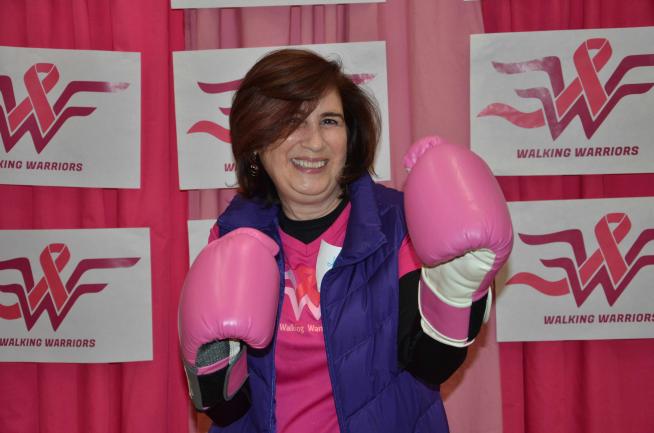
x: 282, y: 88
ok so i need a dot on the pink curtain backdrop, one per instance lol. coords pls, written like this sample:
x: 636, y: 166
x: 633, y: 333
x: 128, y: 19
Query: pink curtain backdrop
x: 428, y: 63
x: 575, y: 386
x: 133, y: 397
x: 598, y: 386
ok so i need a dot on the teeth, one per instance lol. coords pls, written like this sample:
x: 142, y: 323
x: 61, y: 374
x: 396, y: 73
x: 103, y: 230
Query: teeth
x: 309, y: 164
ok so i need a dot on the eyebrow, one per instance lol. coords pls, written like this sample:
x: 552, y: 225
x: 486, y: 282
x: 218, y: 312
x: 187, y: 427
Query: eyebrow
x: 332, y: 114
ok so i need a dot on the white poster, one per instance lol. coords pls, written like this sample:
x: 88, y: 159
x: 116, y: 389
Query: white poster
x: 70, y: 118
x: 205, y: 82
x: 563, y: 102
x: 580, y: 270
x: 75, y: 295
x: 198, y: 236
x: 186, y: 4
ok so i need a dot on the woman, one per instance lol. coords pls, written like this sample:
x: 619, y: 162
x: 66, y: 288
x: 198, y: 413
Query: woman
x: 329, y: 317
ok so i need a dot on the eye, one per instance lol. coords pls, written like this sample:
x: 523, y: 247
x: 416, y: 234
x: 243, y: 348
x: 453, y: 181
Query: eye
x: 331, y: 121
x: 295, y: 124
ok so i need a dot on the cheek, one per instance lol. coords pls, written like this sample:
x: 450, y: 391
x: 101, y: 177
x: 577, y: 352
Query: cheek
x: 343, y: 154
x: 273, y: 162
x: 339, y: 146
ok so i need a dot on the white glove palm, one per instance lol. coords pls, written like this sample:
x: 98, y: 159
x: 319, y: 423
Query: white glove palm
x: 455, y: 284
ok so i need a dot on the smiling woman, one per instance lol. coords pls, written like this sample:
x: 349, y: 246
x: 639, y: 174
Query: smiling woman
x: 302, y: 314
x: 295, y: 96
x: 306, y: 165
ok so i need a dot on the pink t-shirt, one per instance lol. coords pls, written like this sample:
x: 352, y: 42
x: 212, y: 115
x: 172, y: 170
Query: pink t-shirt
x: 304, y: 401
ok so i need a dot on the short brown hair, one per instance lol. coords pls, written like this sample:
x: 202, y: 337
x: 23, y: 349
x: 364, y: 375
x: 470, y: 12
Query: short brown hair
x: 283, y: 87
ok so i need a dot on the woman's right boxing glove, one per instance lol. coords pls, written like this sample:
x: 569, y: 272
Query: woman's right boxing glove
x: 229, y: 300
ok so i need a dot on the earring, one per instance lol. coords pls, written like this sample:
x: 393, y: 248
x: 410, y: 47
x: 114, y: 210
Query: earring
x: 253, y: 167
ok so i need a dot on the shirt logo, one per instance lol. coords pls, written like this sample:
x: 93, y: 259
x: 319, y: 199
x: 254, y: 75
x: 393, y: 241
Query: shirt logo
x: 301, y: 290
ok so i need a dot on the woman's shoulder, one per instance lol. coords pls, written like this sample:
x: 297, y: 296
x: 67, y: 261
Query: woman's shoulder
x: 388, y: 197
x: 245, y: 212
x: 390, y: 203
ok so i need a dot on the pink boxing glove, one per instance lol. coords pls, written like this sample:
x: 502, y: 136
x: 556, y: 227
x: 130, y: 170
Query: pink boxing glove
x: 461, y: 230
x: 229, y: 298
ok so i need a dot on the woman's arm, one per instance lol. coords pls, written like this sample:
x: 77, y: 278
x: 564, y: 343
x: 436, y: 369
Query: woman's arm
x: 427, y: 359
x: 225, y: 412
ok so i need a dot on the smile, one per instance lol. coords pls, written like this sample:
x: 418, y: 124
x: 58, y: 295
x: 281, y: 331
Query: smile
x: 303, y: 163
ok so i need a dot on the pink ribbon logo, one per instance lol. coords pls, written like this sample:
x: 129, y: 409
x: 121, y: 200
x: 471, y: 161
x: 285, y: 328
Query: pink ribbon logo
x: 53, y: 259
x: 36, y: 100
x: 50, y: 294
x: 585, y: 97
x: 35, y: 114
x: 606, y: 266
x: 587, y: 81
x: 608, y: 253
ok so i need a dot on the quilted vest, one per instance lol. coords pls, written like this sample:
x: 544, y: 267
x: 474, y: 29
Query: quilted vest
x: 359, y: 306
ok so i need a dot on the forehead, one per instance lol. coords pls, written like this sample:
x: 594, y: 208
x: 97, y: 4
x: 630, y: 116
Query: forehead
x: 330, y: 101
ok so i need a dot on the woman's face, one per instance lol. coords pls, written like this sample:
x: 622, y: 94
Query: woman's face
x: 306, y: 166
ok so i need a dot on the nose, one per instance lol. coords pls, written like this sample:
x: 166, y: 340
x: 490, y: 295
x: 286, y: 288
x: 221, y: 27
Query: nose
x: 312, y: 138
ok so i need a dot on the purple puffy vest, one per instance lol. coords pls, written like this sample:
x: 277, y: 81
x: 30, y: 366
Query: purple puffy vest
x: 359, y: 304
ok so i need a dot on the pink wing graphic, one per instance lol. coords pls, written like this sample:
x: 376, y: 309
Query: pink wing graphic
x: 549, y: 288
x: 584, y: 97
x: 50, y: 295
x: 212, y: 128
x: 605, y: 267
x: 34, y: 114
x: 535, y: 119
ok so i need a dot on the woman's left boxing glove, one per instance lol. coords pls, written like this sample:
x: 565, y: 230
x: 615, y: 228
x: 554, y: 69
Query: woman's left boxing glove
x: 460, y: 226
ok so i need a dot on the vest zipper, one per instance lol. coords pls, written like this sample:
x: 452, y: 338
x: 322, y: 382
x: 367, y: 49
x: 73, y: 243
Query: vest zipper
x: 330, y: 369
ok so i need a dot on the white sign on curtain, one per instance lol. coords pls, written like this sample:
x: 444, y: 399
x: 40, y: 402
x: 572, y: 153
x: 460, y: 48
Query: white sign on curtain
x: 63, y: 299
x: 198, y: 236
x: 205, y: 82
x: 582, y: 270
x: 185, y: 4
x: 70, y: 118
x: 563, y: 102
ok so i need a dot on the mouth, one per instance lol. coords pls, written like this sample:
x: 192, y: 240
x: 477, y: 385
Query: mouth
x: 309, y: 164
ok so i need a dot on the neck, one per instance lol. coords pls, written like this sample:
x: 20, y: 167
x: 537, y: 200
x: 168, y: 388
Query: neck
x: 302, y: 212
